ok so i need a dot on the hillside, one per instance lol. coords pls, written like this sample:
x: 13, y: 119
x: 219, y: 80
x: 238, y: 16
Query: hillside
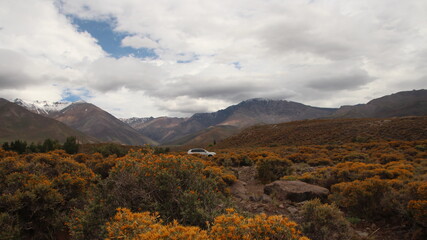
x: 19, y: 123
x: 98, y: 123
x: 244, y: 114
x: 408, y: 103
x: 209, y: 136
x: 157, y: 129
x: 334, y: 131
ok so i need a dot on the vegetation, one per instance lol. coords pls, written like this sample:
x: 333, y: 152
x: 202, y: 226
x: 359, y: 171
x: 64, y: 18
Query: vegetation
x: 148, y: 194
x: 70, y: 146
x: 324, y: 221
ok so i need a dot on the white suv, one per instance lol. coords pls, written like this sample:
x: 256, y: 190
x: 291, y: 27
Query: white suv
x: 200, y: 151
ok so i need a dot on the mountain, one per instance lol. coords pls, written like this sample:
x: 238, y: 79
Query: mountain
x: 134, y: 121
x: 44, y: 108
x: 157, y: 129
x: 329, y: 131
x: 409, y: 103
x: 208, y: 136
x: 244, y: 114
x: 19, y: 123
x: 98, y: 123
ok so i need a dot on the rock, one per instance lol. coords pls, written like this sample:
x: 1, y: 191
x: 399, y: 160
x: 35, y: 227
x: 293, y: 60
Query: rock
x: 296, y: 191
x: 266, y: 199
x: 238, y: 189
x: 281, y: 206
x: 362, y: 234
x: 255, y: 198
x: 292, y: 210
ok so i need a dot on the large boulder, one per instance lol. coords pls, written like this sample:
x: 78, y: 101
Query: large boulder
x: 295, y: 191
x: 238, y: 189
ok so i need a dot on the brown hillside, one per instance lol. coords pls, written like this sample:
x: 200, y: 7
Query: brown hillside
x: 98, y: 123
x: 330, y: 132
x: 17, y: 122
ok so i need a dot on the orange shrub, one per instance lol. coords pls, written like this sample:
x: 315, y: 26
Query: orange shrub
x: 146, y: 226
x: 373, y: 198
x: 235, y: 226
x: 141, y: 226
x: 350, y: 171
x: 38, y: 191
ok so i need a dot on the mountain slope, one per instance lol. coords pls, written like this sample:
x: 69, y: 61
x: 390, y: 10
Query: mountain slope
x: 331, y: 131
x: 157, y: 129
x: 96, y: 122
x: 247, y: 113
x: 210, y: 135
x: 408, y: 103
x: 19, y: 123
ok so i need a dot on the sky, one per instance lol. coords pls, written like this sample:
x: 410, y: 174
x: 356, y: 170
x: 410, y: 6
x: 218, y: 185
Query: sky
x: 138, y: 58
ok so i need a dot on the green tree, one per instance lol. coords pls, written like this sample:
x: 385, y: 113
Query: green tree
x: 6, y: 146
x: 50, y: 145
x: 71, y: 146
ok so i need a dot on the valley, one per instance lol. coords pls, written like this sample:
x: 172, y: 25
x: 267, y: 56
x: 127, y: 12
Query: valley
x: 296, y: 172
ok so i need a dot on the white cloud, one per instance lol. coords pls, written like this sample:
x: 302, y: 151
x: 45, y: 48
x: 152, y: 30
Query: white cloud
x: 215, y: 53
x: 139, y: 42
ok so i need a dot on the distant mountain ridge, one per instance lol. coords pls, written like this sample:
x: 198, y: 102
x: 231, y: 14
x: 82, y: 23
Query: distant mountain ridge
x: 239, y: 116
x: 18, y: 123
x: 266, y: 111
x: 408, y: 103
x: 215, y: 126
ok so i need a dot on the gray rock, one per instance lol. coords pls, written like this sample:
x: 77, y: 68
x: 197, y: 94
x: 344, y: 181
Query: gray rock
x: 295, y: 191
x: 362, y: 234
x: 238, y: 189
x: 292, y: 210
x: 266, y: 199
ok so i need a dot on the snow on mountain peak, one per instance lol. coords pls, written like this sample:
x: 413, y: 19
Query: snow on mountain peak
x: 42, y: 107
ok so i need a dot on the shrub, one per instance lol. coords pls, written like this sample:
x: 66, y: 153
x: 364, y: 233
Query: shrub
x: 186, y: 189
x: 372, y: 198
x: 235, y: 226
x: 418, y: 208
x: 350, y: 171
x: 320, y: 162
x: 38, y: 191
x: 324, y: 221
x: 270, y: 170
x: 146, y: 226
x: 128, y: 225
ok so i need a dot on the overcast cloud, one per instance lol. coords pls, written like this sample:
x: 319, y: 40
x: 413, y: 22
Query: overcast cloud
x: 211, y: 54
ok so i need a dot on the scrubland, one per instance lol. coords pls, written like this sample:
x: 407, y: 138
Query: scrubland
x: 148, y: 195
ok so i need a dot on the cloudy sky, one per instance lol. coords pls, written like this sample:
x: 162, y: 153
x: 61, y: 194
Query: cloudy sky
x: 166, y: 57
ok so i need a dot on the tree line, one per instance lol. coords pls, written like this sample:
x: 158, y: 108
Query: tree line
x: 70, y: 146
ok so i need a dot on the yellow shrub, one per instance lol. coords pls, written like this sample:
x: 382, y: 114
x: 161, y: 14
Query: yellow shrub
x: 143, y: 226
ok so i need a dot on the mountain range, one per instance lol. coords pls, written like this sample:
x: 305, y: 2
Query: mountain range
x: 209, y: 128
x: 19, y: 123
x: 88, y: 119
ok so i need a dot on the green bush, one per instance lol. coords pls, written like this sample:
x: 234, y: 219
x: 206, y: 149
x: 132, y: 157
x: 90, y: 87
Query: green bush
x: 270, y: 170
x: 324, y: 221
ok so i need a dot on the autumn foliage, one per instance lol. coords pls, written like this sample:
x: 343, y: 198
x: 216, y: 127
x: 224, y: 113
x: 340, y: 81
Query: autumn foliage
x: 144, y: 194
x: 145, y: 226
